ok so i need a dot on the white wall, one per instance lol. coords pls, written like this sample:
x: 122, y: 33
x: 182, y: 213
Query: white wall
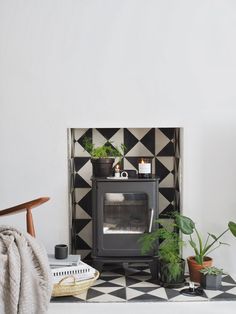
x: 117, y: 63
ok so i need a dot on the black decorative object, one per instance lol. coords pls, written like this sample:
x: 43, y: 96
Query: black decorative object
x: 102, y: 167
x: 61, y: 251
x: 131, y: 173
x: 165, y: 279
x: 192, y: 291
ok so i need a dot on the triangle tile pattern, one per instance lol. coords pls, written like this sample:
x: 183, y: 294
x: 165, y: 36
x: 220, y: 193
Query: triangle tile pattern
x: 168, y: 150
x: 139, y: 142
x: 177, y: 169
x: 116, y: 287
x: 166, y: 200
x: 86, y: 202
x: 162, y: 145
x: 149, y: 141
x: 228, y: 280
x: 108, y: 132
x: 80, y: 225
x: 169, y: 132
x: 78, y: 139
x: 129, y: 140
x: 79, y: 182
x: 165, y: 169
x: 79, y: 146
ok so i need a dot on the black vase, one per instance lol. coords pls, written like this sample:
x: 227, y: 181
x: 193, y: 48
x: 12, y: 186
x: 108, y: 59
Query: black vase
x: 166, y: 278
x: 102, y: 167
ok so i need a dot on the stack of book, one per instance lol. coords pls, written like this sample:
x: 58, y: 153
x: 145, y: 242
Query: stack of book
x: 70, y: 266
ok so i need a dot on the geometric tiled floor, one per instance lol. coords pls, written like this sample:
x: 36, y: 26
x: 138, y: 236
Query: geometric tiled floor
x: 134, y: 284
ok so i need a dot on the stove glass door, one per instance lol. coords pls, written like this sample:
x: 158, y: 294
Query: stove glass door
x: 126, y: 213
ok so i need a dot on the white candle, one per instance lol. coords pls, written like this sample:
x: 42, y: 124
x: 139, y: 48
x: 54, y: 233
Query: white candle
x: 117, y: 171
x: 144, y: 168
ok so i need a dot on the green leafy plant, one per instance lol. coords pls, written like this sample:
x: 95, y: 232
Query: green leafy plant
x: 202, y: 249
x: 169, y: 249
x: 103, y: 151
x: 212, y: 271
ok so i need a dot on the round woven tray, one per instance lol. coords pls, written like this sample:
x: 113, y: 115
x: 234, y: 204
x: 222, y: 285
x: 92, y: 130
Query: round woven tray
x: 64, y: 288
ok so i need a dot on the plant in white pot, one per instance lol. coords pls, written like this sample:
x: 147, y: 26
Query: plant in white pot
x: 201, y: 248
x: 211, y: 278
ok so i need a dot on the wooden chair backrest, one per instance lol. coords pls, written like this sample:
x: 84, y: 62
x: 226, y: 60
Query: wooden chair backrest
x: 25, y: 207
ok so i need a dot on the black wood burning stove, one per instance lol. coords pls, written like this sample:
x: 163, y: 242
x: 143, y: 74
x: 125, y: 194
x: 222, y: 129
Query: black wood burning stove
x: 123, y: 209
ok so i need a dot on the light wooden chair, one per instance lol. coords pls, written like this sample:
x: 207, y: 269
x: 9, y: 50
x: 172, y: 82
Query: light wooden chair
x: 27, y: 208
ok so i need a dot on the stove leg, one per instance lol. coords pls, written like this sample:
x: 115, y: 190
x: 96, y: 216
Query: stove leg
x: 98, y: 266
x: 154, y: 268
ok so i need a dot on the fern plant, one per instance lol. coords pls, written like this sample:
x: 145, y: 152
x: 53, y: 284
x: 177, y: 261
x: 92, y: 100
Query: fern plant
x: 103, y: 151
x: 169, y: 250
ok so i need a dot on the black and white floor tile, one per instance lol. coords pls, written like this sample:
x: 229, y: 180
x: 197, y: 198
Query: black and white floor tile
x: 134, y: 284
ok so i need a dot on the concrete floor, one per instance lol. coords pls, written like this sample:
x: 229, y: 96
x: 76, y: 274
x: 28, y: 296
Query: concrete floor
x: 210, y: 307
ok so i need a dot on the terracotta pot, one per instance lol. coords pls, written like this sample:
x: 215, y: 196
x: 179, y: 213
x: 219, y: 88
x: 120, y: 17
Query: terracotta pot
x: 194, y: 267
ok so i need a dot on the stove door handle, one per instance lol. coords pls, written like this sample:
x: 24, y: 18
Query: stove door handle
x: 151, y: 220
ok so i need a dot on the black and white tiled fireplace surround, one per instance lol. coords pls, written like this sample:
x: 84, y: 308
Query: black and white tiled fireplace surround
x: 162, y: 145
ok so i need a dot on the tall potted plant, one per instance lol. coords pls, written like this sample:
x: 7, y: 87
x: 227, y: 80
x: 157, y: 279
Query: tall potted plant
x: 201, y: 248
x: 102, y: 157
x: 168, y: 251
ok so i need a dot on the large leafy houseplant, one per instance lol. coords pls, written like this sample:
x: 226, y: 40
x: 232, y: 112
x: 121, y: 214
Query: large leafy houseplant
x: 201, y: 248
x: 168, y: 251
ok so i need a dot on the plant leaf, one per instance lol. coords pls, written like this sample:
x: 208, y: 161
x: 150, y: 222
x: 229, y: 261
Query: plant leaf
x: 224, y: 243
x: 232, y: 227
x: 213, y: 236
x: 199, y: 259
x: 193, y: 244
x: 185, y: 224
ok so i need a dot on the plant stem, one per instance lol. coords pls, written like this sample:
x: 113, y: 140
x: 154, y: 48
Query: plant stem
x: 215, y: 248
x: 210, y: 245
x: 199, y: 240
x: 206, y: 242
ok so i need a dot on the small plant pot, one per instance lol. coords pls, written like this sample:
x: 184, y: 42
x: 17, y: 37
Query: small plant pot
x: 211, y: 282
x: 102, y: 167
x: 167, y: 279
x: 194, y: 267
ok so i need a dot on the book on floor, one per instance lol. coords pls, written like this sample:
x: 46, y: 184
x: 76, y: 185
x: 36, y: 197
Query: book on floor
x: 71, y: 260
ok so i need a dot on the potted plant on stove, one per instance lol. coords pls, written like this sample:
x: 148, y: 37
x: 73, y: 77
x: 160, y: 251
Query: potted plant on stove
x: 211, y: 278
x: 171, y: 265
x: 201, y: 248
x: 102, y: 157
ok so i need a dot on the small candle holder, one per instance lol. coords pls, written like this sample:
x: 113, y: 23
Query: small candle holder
x: 117, y: 171
x: 145, y: 168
